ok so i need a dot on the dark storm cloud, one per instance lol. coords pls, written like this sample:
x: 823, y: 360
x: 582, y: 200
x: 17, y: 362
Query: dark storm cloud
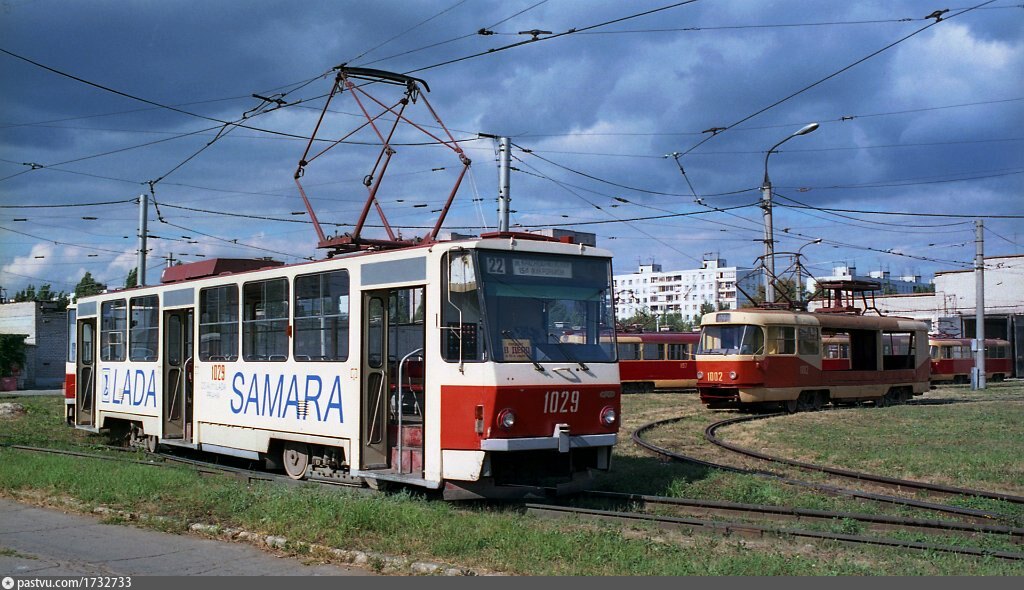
x: 609, y: 103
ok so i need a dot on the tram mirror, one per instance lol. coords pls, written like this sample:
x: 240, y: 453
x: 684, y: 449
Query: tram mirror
x: 461, y: 274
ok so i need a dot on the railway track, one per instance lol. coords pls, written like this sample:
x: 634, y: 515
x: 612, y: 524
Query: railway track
x: 755, y: 530
x: 709, y: 435
x: 876, y: 523
x: 973, y: 514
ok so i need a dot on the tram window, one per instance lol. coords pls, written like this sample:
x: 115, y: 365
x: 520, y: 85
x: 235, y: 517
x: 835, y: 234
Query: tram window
x: 629, y: 351
x: 897, y: 350
x: 265, y: 323
x: 460, y: 306
x: 72, y: 341
x: 145, y: 316
x: 781, y: 340
x: 680, y: 352
x: 807, y: 340
x: 113, y: 328
x: 653, y: 352
x: 321, y: 316
x: 218, y: 323
x: 87, y: 344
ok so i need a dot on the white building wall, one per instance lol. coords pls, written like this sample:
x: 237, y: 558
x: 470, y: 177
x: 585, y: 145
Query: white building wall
x: 654, y: 290
x: 954, y: 296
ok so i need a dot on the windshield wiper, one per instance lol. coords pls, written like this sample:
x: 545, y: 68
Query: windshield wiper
x: 567, y: 351
x: 520, y: 344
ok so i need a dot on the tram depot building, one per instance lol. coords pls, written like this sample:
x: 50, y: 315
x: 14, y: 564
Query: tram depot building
x: 45, y: 325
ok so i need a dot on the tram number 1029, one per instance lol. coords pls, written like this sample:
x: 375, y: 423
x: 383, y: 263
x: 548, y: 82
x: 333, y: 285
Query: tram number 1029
x: 561, y: 402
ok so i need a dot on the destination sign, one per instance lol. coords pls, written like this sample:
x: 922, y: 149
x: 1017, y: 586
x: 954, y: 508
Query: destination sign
x: 554, y: 269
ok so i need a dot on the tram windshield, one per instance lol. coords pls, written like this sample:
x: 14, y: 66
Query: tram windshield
x: 731, y: 339
x: 540, y: 307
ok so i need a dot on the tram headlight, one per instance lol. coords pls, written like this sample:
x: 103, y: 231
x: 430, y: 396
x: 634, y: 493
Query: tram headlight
x: 700, y: 374
x: 506, y: 419
x: 732, y: 375
x: 608, y: 416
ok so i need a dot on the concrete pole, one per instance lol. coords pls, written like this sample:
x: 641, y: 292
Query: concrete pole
x: 504, y: 197
x: 141, y: 267
x: 769, y: 239
x: 978, y: 373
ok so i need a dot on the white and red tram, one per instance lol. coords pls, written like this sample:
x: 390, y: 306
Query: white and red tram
x: 477, y: 367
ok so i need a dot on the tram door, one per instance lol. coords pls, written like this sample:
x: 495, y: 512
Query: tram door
x: 177, y: 394
x: 85, y: 394
x: 374, y: 380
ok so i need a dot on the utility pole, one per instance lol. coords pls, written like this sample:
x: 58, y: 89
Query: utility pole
x: 141, y: 267
x: 505, y: 161
x: 978, y: 373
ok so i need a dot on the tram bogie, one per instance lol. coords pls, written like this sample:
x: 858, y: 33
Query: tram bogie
x: 469, y: 366
x: 798, y: 361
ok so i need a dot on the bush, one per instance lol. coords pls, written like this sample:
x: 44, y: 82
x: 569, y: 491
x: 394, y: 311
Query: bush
x: 12, y: 353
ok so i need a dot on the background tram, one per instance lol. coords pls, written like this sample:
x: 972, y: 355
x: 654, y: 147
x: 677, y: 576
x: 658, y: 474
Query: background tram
x: 953, y: 359
x: 657, y: 361
x: 802, y: 361
x: 445, y: 366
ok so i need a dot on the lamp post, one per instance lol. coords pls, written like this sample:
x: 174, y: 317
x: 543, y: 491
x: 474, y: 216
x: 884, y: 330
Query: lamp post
x: 766, y: 205
x: 799, y: 273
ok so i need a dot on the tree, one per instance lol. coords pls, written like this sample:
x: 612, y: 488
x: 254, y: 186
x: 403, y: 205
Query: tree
x: 12, y: 353
x: 705, y: 308
x: 133, y: 278
x: 88, y: 286
x: 929, y: 288
x: 26, y: 294
x: 44, y: 293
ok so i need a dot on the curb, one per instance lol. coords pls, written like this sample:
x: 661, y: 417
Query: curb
x: 379, y: 562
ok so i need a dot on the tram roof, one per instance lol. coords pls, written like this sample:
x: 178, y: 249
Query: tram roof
x: 757, y: 316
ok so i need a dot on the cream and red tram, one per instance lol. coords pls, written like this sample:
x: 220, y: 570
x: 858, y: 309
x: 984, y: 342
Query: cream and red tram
x: 445, y: 366
x: 953, y: 359
x: 795, y: 359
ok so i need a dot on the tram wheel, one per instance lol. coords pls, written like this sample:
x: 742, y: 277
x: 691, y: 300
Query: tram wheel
x: 152, y: 443
x: 791, y: 406
x: 820, y: 399
x: 295, y: 457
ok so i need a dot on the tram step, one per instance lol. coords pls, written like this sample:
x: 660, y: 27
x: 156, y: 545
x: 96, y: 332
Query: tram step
x: 412, y: 434
x: 412, y: 460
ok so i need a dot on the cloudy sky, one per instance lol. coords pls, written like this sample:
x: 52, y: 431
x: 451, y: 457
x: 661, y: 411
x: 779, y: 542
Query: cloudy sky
x: 609, y: 110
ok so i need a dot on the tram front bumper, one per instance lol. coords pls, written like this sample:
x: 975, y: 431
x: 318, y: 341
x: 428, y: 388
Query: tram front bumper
x: 560, y: 440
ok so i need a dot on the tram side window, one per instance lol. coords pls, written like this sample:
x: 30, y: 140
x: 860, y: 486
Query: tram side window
x: 72, y: 340
x: 898, y: 350
x: 781, y: 340
x: 680, y: 352
x: 629, y: 351
x: 145, y: 315
x: 321, y: 316
x: 265, y: 324
x: 461, y: 317
x: 654, y: 352
x: 863, y: 350
x: 113, y: 330
x: 807, y: 340
x: 218, y: 323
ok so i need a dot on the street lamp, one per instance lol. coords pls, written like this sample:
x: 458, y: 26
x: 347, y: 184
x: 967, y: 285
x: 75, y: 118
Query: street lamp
x: 766, y: 205
x: 799, y: 274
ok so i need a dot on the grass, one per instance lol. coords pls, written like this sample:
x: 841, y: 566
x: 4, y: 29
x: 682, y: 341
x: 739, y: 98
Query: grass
x: 488, y: 537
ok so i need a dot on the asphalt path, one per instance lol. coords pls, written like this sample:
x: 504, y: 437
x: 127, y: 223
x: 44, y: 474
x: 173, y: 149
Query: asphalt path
x: 43, y: 542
